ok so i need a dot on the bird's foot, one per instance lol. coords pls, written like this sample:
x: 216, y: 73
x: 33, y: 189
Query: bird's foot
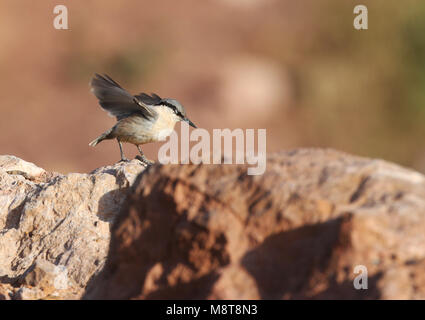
x: 145, y: 160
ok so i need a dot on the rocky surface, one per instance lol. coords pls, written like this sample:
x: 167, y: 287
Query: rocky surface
x: 298, y: 231
x: 212, y: 231
x: 55, y: 229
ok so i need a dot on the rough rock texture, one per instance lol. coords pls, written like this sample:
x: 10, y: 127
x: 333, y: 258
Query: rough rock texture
x: 212, y: 231
x: 55, y: 229
x: 298, y: 231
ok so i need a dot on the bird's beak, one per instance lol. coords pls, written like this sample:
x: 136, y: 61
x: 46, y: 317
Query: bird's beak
x: 190, y: 123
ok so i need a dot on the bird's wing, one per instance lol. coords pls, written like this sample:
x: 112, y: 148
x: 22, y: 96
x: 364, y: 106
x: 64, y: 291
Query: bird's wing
x: 117, y: 101
x: 153, y: 100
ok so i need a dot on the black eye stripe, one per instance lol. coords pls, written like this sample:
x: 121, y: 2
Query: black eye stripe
x: 167, y: 104
x: 173, y: 107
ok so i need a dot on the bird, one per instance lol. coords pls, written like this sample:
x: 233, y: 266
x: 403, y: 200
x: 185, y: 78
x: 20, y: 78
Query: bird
x: 141, y: 118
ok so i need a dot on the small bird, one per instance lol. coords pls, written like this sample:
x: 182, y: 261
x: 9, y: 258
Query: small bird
x: 141, y: 118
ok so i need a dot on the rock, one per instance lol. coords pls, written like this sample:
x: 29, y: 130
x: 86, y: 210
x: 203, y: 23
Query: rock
x: 6, y: 291
x: 14, y: 165
x: 296, y: 232
x: 299, y: 231
x: 54, y: 228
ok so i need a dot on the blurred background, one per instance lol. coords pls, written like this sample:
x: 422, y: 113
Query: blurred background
x: 297, y: 68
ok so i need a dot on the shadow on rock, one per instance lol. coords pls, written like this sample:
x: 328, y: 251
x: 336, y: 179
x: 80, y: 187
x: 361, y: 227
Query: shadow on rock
x: 286, y: 264
x: 156, y: 253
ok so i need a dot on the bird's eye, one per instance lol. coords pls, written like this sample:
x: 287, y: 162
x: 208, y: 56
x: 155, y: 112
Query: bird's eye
x: 178, y: 113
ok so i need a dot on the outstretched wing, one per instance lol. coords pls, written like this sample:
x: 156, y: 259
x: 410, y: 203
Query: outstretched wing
x: 116, y: 100
x: 153, y: 100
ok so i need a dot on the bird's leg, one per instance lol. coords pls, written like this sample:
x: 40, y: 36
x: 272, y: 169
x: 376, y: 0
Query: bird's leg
x: 123, y: 158
x: 142, y: 157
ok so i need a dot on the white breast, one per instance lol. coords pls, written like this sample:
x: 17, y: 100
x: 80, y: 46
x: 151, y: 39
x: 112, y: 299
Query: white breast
x: 165, y: 123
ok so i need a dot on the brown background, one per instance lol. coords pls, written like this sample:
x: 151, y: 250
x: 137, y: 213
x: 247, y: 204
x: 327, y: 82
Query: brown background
x: 297, y: 68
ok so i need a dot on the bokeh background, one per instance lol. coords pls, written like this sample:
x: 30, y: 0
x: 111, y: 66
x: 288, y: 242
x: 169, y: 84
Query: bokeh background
x: 297, y: 68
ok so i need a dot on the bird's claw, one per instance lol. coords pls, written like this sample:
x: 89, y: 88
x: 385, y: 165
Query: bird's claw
x: 144, y: 160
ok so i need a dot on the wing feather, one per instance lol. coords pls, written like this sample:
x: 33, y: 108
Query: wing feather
x: 116, y: 100
x: 153, y: 100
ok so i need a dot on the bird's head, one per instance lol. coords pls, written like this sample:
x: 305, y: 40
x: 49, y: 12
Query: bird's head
x: 172, y: 107
x: 178, y: 110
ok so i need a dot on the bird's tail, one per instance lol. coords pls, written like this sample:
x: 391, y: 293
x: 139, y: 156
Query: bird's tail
x: 100, y: 138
